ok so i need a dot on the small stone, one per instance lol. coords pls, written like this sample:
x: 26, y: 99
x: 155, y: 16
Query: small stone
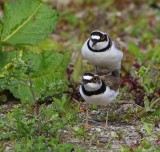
x: 8, y: 148
x: 132, y: 127
x: 98, y: 129
x: 103, y: 140
x: 93, y: 112
x: 113, y: 134
x: 65, y: 131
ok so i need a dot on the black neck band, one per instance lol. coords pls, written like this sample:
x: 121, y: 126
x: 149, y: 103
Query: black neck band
x: 100, y: 50
x: 101, y: 90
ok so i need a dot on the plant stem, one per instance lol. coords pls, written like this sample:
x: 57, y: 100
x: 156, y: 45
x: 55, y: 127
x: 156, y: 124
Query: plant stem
x: 34, y: 97
x: 36, y: 113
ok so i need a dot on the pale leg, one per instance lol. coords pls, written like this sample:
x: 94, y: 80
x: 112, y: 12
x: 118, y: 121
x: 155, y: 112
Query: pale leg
x: 106, y: 125
x: 96, y: 68
x: 87, y: 108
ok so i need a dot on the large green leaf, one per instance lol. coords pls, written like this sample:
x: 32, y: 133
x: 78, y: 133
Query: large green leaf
x: 49, y: 71
x: 47, y: 44
x: 27, y: 22
x: 77, y: 68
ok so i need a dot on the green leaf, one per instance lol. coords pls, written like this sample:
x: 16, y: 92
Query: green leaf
x: 49, y: 70
x: 27, y: 22
x: 77, y: 68
x: 107, y: 4
x: 135, y: 50
x: 47, y: 44
x: 64, y: 148
x: 1, y: 27
x: 50, y: 44
x: 146, y: 144
x: 154, y: 53
x: 148, y: 128
x: 157, y: 112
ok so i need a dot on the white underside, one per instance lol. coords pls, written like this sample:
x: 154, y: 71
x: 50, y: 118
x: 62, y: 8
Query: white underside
x: 110, y: 59
x: 102, y: 99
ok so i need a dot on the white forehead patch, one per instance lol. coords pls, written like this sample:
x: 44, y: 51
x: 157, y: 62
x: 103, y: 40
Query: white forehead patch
x: 87, y: 77
x: 95, y: 37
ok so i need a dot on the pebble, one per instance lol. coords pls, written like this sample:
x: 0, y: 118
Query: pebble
x: 103, y: 140
x: 93, y: 112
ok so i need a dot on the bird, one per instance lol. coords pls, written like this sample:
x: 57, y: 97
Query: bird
x: 98, y: 90
x: 103, y: 52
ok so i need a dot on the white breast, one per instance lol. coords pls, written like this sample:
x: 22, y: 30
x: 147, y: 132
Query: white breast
x: 92, y: 86
x: 110, y: 59
x: 102, y: 99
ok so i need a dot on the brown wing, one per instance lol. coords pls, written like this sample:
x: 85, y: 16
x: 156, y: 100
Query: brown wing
x: 111, y: 82
x: 116, y: 43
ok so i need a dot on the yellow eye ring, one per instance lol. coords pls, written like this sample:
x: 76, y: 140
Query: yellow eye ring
x: 103, y: 37
x: 95, y: 78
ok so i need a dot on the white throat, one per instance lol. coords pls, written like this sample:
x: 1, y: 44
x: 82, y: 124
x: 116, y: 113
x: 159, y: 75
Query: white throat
x: 92, y: 86
x: 99, y: 45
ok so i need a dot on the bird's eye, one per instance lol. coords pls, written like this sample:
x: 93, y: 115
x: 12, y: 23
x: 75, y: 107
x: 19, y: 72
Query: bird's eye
x: 95, y: 78
x: 102, y: 37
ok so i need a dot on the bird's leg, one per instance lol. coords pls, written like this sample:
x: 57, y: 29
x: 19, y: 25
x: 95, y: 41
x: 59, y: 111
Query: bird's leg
x: 106, y: 125
x: 87, y: 108
x: 96, y: 68
x: 116, y: 73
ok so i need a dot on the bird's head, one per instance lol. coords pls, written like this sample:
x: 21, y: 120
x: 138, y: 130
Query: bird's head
x: 98, y: 37
x: 91, y: 81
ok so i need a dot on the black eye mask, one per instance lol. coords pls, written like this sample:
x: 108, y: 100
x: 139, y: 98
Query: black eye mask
x: 103, y: 49
x: 86, y: 81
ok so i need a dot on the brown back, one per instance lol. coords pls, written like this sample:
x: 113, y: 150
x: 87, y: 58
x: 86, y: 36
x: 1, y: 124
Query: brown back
x: 111, y: 82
